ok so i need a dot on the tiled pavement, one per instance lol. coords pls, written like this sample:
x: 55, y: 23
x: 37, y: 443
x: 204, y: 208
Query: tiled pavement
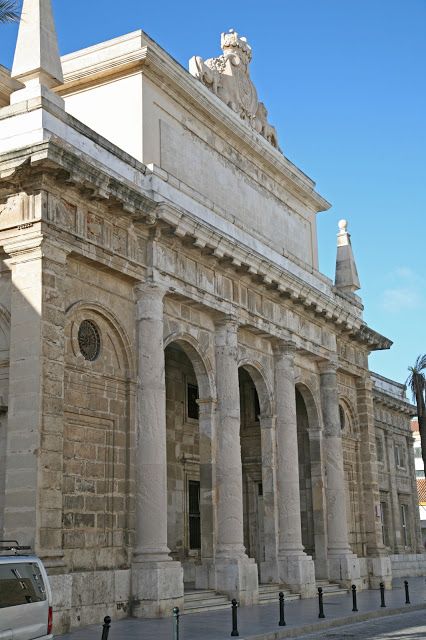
x: 261, y: 621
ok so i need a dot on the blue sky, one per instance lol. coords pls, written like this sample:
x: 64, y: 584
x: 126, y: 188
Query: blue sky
x: 344, y: 83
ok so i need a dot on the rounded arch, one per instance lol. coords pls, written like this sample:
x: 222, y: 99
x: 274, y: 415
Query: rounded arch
x: 308, y: 397
x: 111, y: 319
x: 263, y: 388
x: 348, y: 416
x: 200, y: 361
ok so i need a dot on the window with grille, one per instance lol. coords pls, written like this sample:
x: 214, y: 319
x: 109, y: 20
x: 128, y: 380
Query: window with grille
x: 404, y: 525
x: 379, y: 449
x: 194, y: 514
x: 383, y: 519
x: 192, y: 407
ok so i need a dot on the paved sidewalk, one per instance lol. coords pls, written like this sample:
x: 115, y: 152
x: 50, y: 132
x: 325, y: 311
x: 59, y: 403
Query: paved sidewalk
x: 261, y: 621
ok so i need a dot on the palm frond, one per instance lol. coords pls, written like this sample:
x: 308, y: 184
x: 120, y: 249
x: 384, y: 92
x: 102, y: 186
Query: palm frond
x: 8, y: 11
x: 416, y: 381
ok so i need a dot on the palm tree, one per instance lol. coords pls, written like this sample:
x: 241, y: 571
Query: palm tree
x: 417, y: 383
x: 8, y: 11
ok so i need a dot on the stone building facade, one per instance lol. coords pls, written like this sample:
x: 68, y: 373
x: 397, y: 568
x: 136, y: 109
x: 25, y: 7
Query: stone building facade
x: 186, y: 399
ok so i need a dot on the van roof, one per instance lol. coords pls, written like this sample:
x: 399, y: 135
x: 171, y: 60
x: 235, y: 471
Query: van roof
x: 19, y: 558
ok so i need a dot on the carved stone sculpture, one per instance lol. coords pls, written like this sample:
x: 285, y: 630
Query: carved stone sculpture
x: 228, y: 77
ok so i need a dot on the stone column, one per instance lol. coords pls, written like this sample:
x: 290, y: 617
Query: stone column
x: 269, y: 568
x: 34, y: 456
x: 204, y: 573
x: 343, y: 564
x: 379, y: 565
x: 157, y: 580
x: 295, y: 568
x: 236, y: 574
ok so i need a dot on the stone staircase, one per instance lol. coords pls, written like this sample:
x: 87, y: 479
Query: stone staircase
x: 331, y: 588
x: 199, y: 600
x: 268, y: 593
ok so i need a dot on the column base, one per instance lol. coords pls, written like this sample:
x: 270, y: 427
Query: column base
x: 268, y: 571
x: 237, y: 578
x: 345, y: 569
x: 157, y: 587
x: 379, y: 570
x: 298, y: 572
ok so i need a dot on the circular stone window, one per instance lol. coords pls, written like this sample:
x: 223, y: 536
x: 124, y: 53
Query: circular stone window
x: 89, y: 340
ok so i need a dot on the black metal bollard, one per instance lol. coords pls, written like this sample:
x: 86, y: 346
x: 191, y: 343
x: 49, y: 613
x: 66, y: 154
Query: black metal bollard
x: 282, y: 619
x: 234, y: 618
x: 382, y: 594
x: 321, y: 604
x: 354, y: 603
x: 106, y: 628
x: 176, y: 615
x: 407, y: 593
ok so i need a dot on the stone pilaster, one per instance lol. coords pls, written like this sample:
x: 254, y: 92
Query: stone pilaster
x: 379, y: 566
x: 269, y: 568
x: 295, y: 568
x: 395, y: 537
x: 157, y: 581
x: 343, y: 564
x: 236, y: 574
x: 204, y: 573
x: 316, y: 448
x: 34, y: 458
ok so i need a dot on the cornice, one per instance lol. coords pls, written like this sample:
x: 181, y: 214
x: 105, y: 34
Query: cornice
x: 390, y: 402
x: 76, y: 170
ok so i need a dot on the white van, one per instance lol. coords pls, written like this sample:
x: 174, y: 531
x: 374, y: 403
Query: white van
x: 25, y: 596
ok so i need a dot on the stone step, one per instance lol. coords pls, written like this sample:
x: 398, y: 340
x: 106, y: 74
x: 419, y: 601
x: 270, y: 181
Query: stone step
x: 196, y: 601
x: 331, y: 588
x: 268, y: 593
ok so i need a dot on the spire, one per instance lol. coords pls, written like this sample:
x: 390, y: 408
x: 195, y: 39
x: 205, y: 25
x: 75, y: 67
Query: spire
x: 37, y: 64
x: 346, y: 272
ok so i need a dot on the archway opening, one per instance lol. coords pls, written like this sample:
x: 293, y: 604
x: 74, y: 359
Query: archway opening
x: 251, y: 458
x: 305, y: 476
x: 189, y: 516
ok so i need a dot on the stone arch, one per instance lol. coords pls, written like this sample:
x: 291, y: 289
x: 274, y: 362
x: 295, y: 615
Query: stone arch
x: 311, y: 478
x: 98, y: 444
x: 263, y: 386
x: 4, y: 334
x: 351, y: 423
x: 314, y: 414
x: 353, y: 475
x: 203, y: 368
x: 128, y: 360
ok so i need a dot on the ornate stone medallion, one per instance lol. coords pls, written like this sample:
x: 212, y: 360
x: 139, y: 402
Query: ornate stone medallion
x: 89, y: 340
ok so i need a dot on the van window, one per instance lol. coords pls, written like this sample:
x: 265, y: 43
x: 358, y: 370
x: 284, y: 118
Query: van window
x: 20, y: 583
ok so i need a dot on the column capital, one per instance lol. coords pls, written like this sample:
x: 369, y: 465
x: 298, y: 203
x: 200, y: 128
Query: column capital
x: 34, y: 248
x: 228, y: 321
x: 284, y: 348
x: 364, y: 383
x: 328, y: 366
x: 149, y: 288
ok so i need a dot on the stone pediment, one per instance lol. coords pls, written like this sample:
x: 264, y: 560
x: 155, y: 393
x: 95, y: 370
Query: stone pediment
x: 228, y: 77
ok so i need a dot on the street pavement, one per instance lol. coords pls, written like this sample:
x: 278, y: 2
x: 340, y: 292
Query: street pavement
x: 261, y: 621
x: 407, y: 626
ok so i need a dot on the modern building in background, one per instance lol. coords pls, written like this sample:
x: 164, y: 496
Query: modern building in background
x: 420, y: 476
x: 187, y: 404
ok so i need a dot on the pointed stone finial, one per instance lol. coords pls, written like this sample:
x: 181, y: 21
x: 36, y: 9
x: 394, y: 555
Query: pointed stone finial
x: 346, y: 271
x: 37, y: 64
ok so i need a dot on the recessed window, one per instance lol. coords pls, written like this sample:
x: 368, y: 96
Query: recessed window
x: 342, y: 417
x: 194, y: 514
x: 404, y: 525
x: 383, y: 518
x: 379, y: 449
x: 193, y: 410
x: 89, y: 340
